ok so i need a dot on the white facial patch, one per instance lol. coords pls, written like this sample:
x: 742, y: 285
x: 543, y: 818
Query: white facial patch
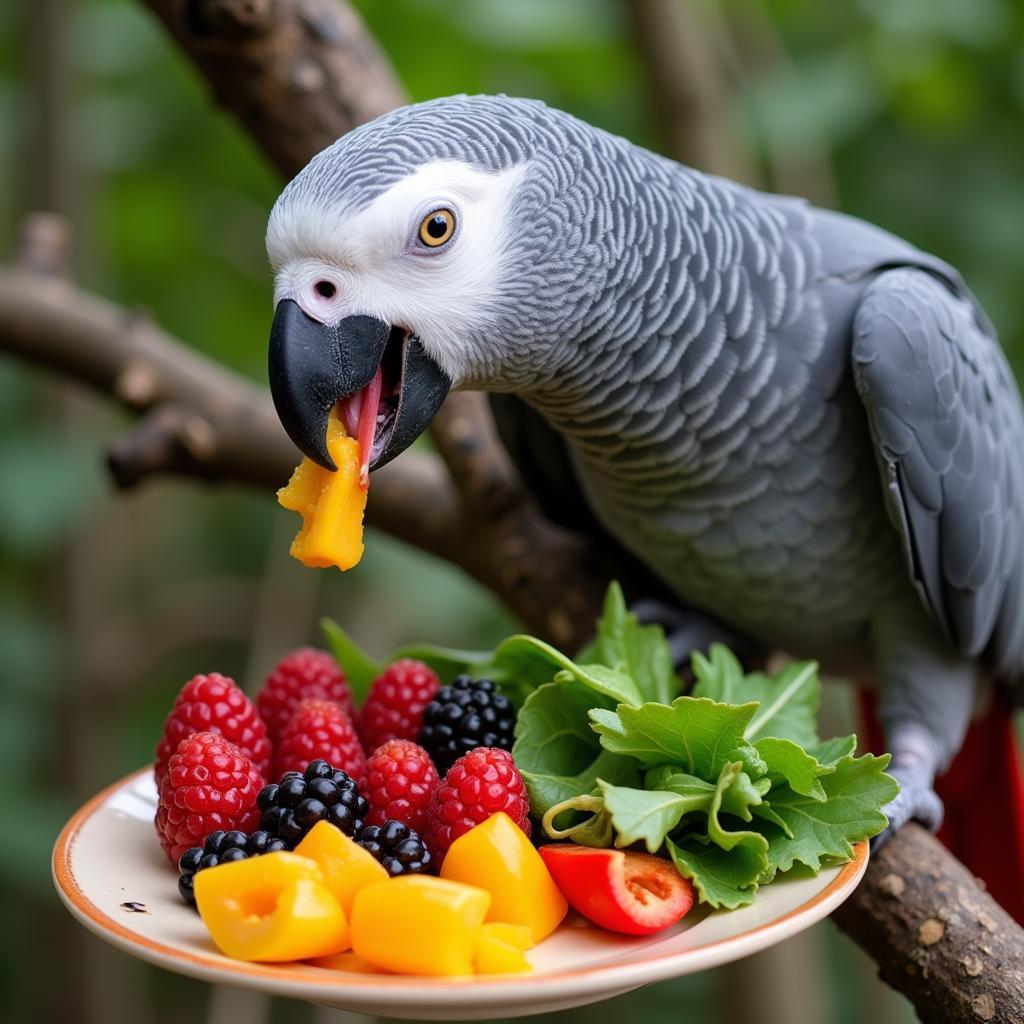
x: 382, y: 269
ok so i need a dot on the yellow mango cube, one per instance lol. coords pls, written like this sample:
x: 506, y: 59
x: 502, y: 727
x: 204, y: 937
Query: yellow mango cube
x: 495, y: 855
x: 347, y: 961
x: 331, y: 504
x: 271, y: 908
x: 416, y: 924
x: 500, y: 949
x: 345, y: 865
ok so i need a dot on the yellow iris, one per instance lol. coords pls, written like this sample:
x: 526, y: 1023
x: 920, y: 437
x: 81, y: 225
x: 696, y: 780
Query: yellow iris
x: 437, y: 227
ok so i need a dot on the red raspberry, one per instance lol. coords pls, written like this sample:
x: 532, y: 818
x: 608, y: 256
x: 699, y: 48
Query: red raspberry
x: 479, y: 784
x: 209, y: 784
x: 394, y: 708
x: 214, y: 703
x: 400, y: 783
x: 319, y: 728
x: 305, y: 674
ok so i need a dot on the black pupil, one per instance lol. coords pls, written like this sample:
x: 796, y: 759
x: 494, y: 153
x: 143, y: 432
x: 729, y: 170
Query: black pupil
x: 325, y: 289
x: 437, y: 225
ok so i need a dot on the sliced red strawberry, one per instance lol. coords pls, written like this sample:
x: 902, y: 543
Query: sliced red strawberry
x: 633, y: 893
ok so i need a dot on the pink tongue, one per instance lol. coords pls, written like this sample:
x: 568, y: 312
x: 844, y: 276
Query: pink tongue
x: 370, y: 396
x: 349, y: 410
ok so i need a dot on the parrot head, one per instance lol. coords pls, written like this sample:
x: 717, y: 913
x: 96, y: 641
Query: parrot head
x: 415, y: 255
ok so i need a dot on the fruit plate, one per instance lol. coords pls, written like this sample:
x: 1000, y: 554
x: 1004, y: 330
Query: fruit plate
x: 111, y: 874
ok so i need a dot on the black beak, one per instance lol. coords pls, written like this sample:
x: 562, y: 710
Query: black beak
x: 312, y: 365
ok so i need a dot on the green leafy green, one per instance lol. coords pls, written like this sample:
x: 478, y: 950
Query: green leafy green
x: 789, y: 762
x: 854, y: 792
x: 725, y: 865
x: 447, y: 662
x: 732, y: 782
x: 764, y: 811
x: 649, y: 815
x: 359, y: 668
x: 829, y: 752
x: 723, y: 878
x: 693, y: 732
x: 641, y: 652
x: 789, y: 699
x: 720, y: 676
x: 789, y: 704
x: 737, y: 798
x: 556, y: 751
x: 718, y: 833
x: 753, y: 763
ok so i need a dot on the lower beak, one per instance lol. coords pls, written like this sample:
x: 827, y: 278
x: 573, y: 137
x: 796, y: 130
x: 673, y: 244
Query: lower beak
x: 387, y: 387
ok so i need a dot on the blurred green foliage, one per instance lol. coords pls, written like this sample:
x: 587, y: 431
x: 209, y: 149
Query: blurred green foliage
x: 908, y: 111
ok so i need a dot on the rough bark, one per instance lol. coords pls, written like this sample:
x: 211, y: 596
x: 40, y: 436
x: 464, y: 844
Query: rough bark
x: 936, y: 935
x: 296, y: 73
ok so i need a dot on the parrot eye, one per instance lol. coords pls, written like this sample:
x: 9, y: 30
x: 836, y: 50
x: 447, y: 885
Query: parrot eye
x: 437, y: 227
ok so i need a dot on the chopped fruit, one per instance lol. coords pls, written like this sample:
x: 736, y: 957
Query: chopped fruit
x: 632, y: 893
x: 498, y: 857
x: 347, y: 961
x: 320, y: 729
x: 500, y: 949
x: 221, y: 847
x: 466, y: 714
x: 331, y: 504
x: 419, y: 925
x: 400, y: 783
x: 291, y: 807
x: 271, y: 908
x: 305, y: 674
x: 209, y: 784
x: 479, y: 784
x: 214, y: 703
x: 394, y: 707
x: 346, y: 866
x: 399, y: 848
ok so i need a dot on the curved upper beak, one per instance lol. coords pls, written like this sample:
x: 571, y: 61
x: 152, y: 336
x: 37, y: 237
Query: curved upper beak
x: 314, y: 365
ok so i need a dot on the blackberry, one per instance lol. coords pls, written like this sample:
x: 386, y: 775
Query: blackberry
x: 291, y: 807
x: 465, y: 714
x: 221, y: 848
x: 399, y: 848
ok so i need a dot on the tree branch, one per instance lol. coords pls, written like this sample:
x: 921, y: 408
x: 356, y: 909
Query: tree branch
x: 199, y: 419
x: 936, y: 935
x: 297, y: 74
x: 205, y: 421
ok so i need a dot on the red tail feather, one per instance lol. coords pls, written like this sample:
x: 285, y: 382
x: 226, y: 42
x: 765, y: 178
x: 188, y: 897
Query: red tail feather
x: 983, y: 793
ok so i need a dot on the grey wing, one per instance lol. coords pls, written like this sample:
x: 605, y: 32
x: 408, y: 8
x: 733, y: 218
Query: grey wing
x: 948, y: 427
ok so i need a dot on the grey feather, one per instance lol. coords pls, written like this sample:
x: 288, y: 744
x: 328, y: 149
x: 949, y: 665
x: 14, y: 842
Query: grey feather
x: 946, y: 418
x: 707, y: 352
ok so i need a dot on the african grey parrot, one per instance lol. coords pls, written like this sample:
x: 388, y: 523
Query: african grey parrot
x: 803, y: 425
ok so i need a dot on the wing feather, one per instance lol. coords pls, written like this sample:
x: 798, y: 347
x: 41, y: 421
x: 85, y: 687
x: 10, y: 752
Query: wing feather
x: 948, y: 427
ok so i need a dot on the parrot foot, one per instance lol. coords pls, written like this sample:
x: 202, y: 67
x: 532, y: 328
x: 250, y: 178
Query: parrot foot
x: 916, y: 801
x: 688, y: 630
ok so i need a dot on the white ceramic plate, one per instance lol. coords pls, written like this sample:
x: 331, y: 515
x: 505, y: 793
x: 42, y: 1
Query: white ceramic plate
x: 112, y: 875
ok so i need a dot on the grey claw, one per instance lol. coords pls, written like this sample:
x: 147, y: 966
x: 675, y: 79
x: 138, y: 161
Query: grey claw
x: 915, y: 801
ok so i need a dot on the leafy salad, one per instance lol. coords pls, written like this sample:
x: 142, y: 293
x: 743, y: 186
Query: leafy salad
x: 730, y: 780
